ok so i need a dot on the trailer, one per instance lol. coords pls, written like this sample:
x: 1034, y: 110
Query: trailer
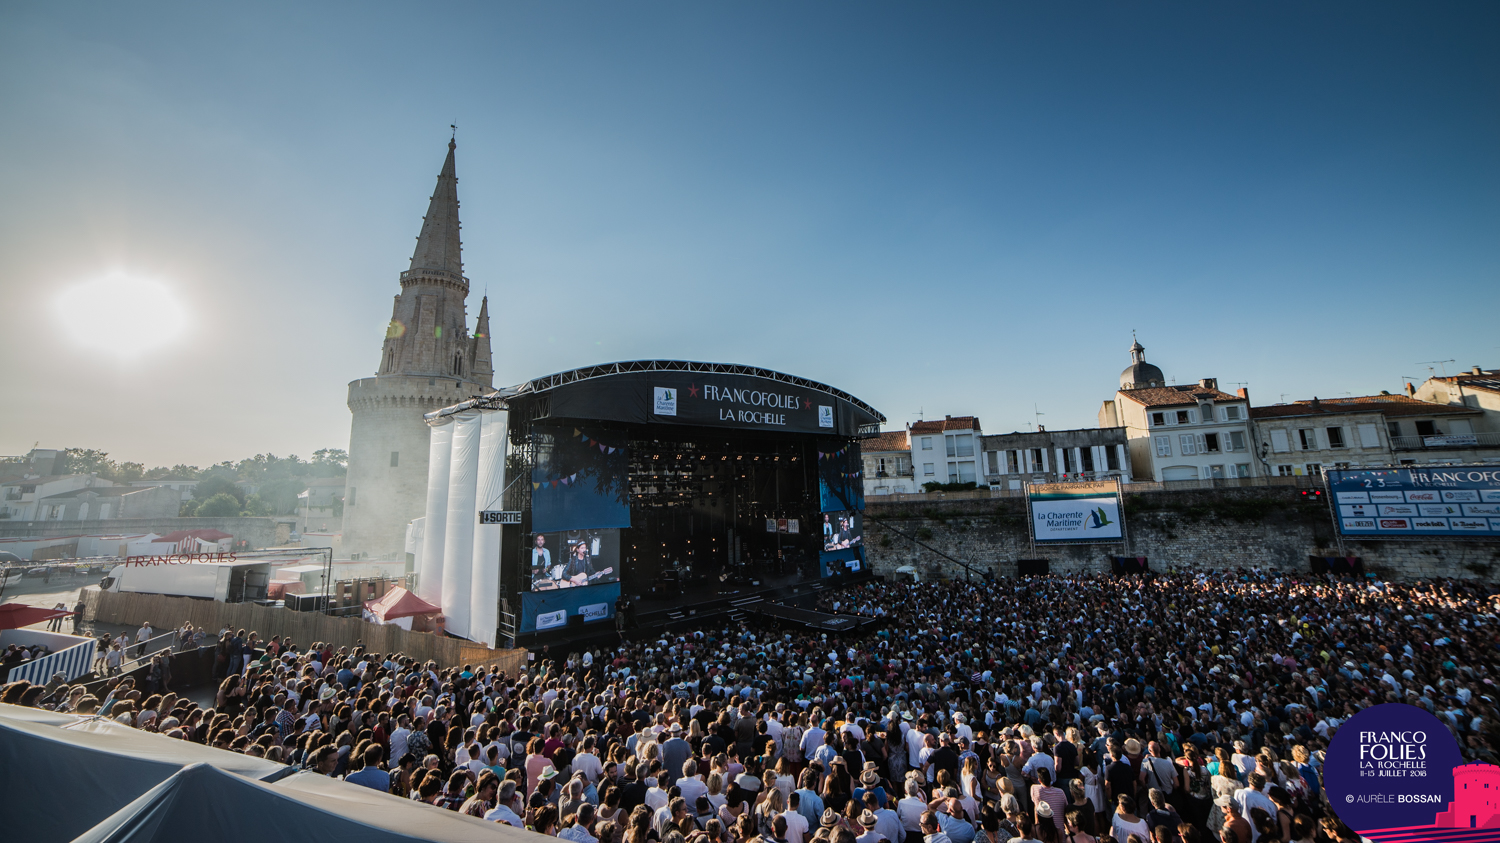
x: 226, y: 581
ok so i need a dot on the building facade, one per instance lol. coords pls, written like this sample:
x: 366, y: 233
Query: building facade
x: 1308, y: 437
x: 945, y: 451
x: 1477, y: 389
x: 21, y: 497
x: 429, y: 360
x: 888, y: 468
x: 106, y: 501
x: 1049, y: 456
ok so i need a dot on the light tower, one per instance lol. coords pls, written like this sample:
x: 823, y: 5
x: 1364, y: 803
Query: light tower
x: 429, y: 360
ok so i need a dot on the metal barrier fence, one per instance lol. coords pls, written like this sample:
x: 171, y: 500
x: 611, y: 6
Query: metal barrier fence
x: 302, y: 628
x: 71, y: 663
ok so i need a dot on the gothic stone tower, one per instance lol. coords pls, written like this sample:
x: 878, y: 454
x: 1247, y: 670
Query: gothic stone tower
x: 429, y: 361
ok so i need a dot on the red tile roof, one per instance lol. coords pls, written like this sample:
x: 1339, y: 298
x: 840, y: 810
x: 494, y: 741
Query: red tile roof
x: 888, y: 440
x: 1173, y: 396
x: 949, y: 423
x: 1386, y: 405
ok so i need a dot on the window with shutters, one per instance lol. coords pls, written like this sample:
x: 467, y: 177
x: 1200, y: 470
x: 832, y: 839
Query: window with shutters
x: 1158, y: 419
x: 1111, y: 458
x: 1188, y: 443
x: 1013, y: 462
x: 1164, y: 446
x: 1232, y: 413
x: 1335, y: 437
x: 1369, y: 436
x: 1393, y: 428
x: 1210, y: 443
x: 1236, y: 440
x: 1283, y: 471
x: 1184, y: 416
x: 1243, y: 469
x: 1088, y: 459
x: 1308, y: 438
x: 1279, y: 442
x: 992, y: 462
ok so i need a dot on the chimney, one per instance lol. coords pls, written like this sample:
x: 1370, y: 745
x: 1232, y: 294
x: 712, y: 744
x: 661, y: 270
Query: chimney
x: 947, y: 418
x: 1243, y: 393
x: 1317, y: 406
x: 1041, y: 428
x: 1476, y: 371
x: 1411, y: 388
x: 1209, y: 383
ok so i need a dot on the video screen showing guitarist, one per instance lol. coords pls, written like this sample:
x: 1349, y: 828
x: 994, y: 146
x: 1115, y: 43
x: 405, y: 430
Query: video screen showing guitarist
x: 591, y: 558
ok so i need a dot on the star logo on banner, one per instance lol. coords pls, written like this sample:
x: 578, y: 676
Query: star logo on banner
x: 806, y: 404
x: 692, y: 390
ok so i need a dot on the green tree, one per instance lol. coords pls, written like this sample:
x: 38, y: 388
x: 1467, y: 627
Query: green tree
x: 87, y: 461
x: 218, y: 484
x: 220, y: 505
x: 259, y: 506
x: 179, y: 471
x: 336, y: 458
x: 128, y: 471
x: 280, y: 496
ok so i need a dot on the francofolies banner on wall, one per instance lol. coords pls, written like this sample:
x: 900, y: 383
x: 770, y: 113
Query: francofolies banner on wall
x: 1394, y: 773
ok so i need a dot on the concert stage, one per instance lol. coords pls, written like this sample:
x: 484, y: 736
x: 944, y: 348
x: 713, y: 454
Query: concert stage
x: 670, y: 489
x: 787, y: 602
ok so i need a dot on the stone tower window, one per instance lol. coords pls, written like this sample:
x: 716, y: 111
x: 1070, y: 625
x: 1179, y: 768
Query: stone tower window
x: 395, y: 458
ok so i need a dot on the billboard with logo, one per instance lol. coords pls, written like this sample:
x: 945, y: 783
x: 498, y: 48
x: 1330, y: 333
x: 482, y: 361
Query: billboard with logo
x: 1076, y: 513
x: 1407, y: 503
x: 556, y: 609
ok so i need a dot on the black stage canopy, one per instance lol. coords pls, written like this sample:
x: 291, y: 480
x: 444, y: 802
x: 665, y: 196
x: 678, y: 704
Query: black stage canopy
x: 683, y: 392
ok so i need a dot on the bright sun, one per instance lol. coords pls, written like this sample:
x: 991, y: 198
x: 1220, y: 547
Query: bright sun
x: 121, y: 315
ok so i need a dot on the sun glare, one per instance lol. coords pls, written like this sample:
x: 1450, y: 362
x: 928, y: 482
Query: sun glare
x: 120, y: 315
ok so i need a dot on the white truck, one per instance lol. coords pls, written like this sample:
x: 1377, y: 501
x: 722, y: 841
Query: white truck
x: 228, y: 582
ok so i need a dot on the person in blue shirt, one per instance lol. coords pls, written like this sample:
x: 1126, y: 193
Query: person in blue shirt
x: 371, y: 775
x: 810, y: 804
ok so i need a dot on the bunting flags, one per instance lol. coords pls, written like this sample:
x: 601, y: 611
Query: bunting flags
x: 823, y: 455
x: 603, y: 449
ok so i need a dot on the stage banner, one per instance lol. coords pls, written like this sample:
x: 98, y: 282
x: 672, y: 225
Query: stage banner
x: 1087, y: 512
x: 580, y: 482
x: 709, y: 400
x: 544, y: 610
x: 1416, y: 503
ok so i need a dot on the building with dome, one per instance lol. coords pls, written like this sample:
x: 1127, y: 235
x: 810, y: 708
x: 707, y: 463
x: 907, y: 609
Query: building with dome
x: 430, y: 359
x: 1181, y: 431
x: 1140, y: 374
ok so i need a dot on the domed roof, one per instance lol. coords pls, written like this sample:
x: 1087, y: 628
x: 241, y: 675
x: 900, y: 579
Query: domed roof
x: 1140, y: 375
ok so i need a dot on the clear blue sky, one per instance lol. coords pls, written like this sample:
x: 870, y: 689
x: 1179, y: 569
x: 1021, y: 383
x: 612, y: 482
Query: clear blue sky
x: 954, y: 208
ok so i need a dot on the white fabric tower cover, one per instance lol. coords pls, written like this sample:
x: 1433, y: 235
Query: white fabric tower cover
x: 458, y: 545
x: 430, y: 575
x: 484, y: 597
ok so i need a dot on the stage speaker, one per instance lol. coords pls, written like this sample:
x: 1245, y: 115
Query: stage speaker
x: 1032, y: 567
x: 1318, y: 564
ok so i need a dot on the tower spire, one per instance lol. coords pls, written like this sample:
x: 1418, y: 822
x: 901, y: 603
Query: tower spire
x: 438, y: 246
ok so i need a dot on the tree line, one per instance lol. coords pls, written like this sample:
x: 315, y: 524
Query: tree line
x: 221, y: 489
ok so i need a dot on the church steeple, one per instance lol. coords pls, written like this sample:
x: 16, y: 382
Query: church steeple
x: 438, y: 246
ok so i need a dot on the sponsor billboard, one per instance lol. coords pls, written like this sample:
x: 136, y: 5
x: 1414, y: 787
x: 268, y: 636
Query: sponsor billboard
x: 1077, y: 513
x: 545, y: 610
x: 1393, y: 503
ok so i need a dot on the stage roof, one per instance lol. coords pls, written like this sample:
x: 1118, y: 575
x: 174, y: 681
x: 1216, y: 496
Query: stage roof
x: 685, y: 392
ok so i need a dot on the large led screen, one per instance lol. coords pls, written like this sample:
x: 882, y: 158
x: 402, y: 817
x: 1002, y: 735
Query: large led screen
x: 842, y: 530
x: 580, y: 482
x: 574, y: 558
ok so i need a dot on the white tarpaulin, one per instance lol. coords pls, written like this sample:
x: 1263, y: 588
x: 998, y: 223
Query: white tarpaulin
x: 458, y: 543
x: 430, y: 575
x: 484, y: 594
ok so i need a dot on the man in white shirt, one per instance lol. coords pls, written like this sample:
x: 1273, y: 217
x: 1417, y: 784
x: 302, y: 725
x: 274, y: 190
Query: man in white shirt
x: 812, y: 739
x: 587, y: 762
x: 1252, y: 797
x: 399, y: 737
x: 915, y: 741
x: 502, y: 812
x: 796, y: 824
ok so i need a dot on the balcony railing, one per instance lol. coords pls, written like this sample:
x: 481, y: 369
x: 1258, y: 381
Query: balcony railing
x: 1445, y: 441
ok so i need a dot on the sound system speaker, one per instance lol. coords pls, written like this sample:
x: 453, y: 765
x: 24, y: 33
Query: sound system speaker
x: 1032, y: 567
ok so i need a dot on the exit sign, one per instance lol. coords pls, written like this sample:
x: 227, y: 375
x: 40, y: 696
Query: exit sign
x: 496, y: 516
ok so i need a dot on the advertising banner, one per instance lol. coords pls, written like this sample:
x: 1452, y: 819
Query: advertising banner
x: 1400, y: 503
x: 1078, y: 513
x: 544, y: 610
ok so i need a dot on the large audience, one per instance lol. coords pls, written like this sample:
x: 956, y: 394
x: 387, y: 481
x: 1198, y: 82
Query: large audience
x: 1179, y: 708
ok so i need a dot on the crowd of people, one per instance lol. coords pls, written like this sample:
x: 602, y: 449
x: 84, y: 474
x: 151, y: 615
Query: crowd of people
x: 1178, y: 708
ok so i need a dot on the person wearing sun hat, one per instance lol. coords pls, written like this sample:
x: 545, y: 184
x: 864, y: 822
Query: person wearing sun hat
x: 867, y: 822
